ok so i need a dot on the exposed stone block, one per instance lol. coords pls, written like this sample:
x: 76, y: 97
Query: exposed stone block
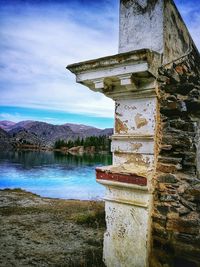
x: 193, y: 193
x: 167, y: 178
x: 182, y: 226
x: 188, y: 239
x: 168, y: 168
x: 188, y: 204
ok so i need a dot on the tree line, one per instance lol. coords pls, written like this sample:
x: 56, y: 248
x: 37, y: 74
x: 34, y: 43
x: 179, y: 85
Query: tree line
x: 101, y: 143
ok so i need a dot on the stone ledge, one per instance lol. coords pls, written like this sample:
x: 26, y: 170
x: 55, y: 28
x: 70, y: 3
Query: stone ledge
x: 122, y: 75
x: 128, y: 178
x: 132, y: 136
x: 126, y: 202
x: 137, y: 56
x: 112, y: 184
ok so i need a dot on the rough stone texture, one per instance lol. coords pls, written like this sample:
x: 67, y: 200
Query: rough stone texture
x: 176, y: 215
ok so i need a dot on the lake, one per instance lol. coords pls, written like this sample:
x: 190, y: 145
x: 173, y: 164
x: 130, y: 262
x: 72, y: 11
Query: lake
x: 53, y: 174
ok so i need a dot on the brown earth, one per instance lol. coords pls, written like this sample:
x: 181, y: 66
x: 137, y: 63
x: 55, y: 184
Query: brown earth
x: 36, y: 231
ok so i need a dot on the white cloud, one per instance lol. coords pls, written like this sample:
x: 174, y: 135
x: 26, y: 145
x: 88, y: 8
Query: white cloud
x: 190, y: 11
x: 37, y: 46
x: 37, y: 43
x: 15, y: 117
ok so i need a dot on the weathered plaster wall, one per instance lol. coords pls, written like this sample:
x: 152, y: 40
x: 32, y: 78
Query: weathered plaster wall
x: 155, y: 25
x: 128, y: 205
x: 176, y: 215
x: 139, y: 18
x: 127, y: 229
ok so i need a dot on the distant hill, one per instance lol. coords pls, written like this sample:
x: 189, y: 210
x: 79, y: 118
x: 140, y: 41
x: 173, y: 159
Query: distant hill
x: 84, y: 130
x: 5, y: 142
x: 7, y: 125
x: 45, y: 134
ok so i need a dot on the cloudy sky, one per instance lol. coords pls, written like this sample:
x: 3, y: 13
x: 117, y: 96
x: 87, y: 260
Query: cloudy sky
x: 39, y: 38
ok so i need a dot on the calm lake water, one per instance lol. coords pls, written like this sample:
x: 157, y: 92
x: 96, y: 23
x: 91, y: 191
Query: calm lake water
x: 53, y: 174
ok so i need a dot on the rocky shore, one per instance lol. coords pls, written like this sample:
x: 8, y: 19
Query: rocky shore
x: 36, y: 231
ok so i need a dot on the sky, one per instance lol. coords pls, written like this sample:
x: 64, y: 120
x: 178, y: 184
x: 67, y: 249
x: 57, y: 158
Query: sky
x: 39, y: 38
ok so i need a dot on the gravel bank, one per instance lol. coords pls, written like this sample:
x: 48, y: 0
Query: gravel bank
x: 36, y: 231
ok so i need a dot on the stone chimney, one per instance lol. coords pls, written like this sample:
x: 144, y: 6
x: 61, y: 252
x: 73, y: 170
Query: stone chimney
x: 153, y: 185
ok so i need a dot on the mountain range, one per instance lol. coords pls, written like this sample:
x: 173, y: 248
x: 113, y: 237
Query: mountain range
x: 43, y: 134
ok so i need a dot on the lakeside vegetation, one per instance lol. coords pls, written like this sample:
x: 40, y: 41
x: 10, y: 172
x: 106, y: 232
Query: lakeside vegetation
x: 100, y: 143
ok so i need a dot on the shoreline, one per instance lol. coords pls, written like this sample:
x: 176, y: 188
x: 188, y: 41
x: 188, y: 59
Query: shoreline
x: 63, y: 151
x: 19, y: 189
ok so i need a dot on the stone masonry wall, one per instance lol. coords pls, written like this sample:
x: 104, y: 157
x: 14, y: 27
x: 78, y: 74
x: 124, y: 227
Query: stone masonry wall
x: 176, y: 214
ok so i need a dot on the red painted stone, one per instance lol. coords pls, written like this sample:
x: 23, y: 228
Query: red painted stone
x: 122, y: 178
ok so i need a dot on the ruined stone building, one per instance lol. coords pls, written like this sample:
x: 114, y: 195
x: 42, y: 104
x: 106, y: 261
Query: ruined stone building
x: 152, y: 199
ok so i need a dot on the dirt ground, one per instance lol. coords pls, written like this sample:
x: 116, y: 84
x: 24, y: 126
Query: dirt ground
x: 36, y: 231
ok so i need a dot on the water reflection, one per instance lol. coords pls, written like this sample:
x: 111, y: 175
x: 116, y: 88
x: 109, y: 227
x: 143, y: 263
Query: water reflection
x: 53, y: 174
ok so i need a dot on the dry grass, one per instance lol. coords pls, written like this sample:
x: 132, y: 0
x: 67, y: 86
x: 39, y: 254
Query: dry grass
x: 37, y: 231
